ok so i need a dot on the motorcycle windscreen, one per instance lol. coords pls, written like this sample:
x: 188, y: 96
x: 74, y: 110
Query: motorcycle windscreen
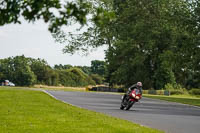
x: 137, y: 91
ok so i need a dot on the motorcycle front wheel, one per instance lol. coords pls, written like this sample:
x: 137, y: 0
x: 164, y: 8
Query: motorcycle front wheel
x: 123, y: 103
x: 129, y: 105
x: 122, y: 106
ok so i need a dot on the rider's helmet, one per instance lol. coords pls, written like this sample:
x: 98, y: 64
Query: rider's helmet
x: 139, y: 84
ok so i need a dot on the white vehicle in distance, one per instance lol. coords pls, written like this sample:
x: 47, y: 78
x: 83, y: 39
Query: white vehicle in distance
x: 7, y: 83
x: 11, y: 84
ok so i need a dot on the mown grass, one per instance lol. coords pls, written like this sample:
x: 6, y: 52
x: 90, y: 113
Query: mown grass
x: 28, y: 111
x: 185, y: 99
x: 46, y: 88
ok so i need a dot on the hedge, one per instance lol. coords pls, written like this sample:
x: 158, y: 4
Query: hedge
x: 194, y: 91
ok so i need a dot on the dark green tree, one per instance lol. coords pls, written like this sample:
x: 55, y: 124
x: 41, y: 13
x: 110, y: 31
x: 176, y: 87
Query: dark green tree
x: 85, y: 69
x: 44, y: 73
x: 74, y: 77
x: 98, y: 67
x: 17, y: 70
x: 147, y: 45
x: 97, y: 78
x: 60, y: 66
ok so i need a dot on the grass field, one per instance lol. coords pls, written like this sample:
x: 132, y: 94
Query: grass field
x: 28, y: 111
x: 185, y: 99
x: 47, y: 88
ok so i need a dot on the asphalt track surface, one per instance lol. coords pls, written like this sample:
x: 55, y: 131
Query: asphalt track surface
x: 166, y: 116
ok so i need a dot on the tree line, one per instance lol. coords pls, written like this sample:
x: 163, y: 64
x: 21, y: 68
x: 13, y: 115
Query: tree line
x: 153, y: 41
x: 28, y: 71
x: 156, y: 42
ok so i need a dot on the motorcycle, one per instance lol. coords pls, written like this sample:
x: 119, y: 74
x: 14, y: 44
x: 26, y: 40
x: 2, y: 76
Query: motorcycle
x: 133, y: 97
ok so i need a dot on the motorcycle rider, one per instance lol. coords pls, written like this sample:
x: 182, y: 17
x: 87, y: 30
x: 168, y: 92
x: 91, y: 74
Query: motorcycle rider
x: 138, y: 86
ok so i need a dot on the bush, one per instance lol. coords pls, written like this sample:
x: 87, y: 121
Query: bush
x: 145, y: 91
x: 153, y: 92
x: 176, y: 92
x: 175, y: 89
x: 194, y: 91
x: 160, y: 92
x: 74, y: 77
x: 172, y: 87
x: 97, y: 78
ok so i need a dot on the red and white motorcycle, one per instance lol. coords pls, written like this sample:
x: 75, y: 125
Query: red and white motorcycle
x: 133, y: 97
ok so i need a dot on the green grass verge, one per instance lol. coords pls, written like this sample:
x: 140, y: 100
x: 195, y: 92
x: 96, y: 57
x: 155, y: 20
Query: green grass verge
x: 185, y: 99
x: 28, y: 111
x: 45, y: 88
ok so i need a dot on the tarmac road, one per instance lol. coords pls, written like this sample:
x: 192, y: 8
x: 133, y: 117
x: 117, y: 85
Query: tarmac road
x: 166, y: 116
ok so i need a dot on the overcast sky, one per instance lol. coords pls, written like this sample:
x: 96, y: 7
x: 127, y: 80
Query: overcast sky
x: 34, y: 40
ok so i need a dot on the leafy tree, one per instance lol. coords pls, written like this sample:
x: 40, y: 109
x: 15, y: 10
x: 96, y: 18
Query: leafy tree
x: 7, y: 69
x: 173, y: 41
x: 60, y: 66
x: 97, y: 78
x: 148, y: 40
x: 40, y: 68
x: 80, y: 77
x: 1, y: 77
x: 85, y: 69
x: 164, y: 73
x: 74, y: 77
x: 17, y: 70
x: 51, y: 77
x: 24, y: 76
x: 98, y: 67
x: 98, y: 33
x: 51, y: 11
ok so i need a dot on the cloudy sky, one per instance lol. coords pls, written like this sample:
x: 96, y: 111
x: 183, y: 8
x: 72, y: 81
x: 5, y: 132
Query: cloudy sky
x: 34, y: 40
